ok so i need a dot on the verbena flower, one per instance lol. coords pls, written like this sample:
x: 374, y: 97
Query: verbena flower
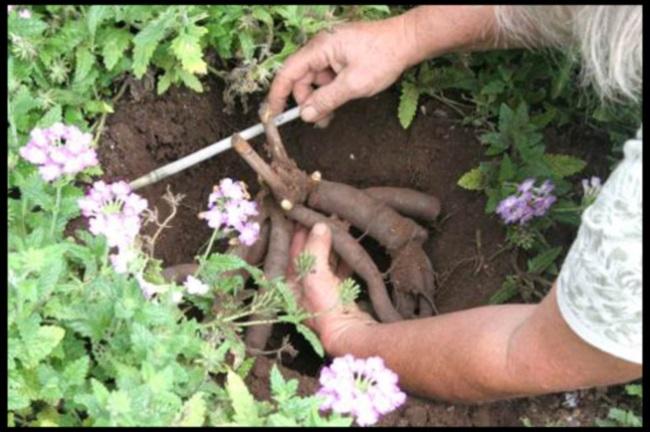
x: 195, y: 286
x: 114, y: 211
x: 59, y: 150
x: 25, y: 14
x: 364, y: 388
x: 527, y: 203
x: 229, y: 209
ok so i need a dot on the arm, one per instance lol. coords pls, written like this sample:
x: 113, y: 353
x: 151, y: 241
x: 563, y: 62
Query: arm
x: 480, y: 354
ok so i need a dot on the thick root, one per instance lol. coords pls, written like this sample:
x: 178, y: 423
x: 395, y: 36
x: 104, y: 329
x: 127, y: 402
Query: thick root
x: 408, y: 202
x: 275, y: 265
x: 366, y: 213
x: 351, y: 252
x: 413, y: 282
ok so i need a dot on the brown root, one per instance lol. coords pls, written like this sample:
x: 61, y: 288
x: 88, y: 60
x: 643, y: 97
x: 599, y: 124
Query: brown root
x: 275, y: 265
x: 408, y: 202
x: 412, y: 277
x: 366, y: 213
x: 351, y: 252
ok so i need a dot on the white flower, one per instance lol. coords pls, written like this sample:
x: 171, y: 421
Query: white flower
x: 195, y: 286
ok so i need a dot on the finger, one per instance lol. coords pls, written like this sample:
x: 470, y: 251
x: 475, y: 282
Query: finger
x: 327, y: 98
x: 297, y: 245
x: 295, y: 67
x: 303, y: 88
x: 319, y: 244
x: 324, y: 77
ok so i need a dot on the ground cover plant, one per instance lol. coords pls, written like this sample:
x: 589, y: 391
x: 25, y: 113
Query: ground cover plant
x: 100, y: 334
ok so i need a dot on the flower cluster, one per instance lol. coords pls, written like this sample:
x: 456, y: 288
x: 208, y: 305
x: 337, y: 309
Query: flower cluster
x: 591, y: 188
x: 23, y: 13
x: 195, y: 286
x: 59, y: 150
x: 229, y: 208
x: 364, y: 388
x: 527, y: 203
x: 114, y: 211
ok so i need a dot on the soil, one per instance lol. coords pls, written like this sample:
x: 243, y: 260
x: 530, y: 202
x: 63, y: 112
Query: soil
x: 363, y: 146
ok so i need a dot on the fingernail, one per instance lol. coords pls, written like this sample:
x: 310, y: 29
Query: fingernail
x: 308, y: 113
x: 320, y: 229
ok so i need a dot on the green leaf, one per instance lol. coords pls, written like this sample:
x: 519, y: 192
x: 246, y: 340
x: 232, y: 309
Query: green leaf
x: 503, y: 294
x: 54, y: 115
x: 96, y: 14
x: 193, y: 412
x: 41, y: 344
x: 507, y: 170
x: 242, y: 401
x: 119, y: 403
x: 276, y: 380
x: 191, y: 81
x: 408, y: 103
x: 539, y: 263
x: 115, y: 42
x: 85, y: 62
x: 75, y: 372
x: 634, y: 390
x: 564, y: 165
x: 311, y: 338
x: 187, y: 48
x: 472, y: 180
x: 147, y: 39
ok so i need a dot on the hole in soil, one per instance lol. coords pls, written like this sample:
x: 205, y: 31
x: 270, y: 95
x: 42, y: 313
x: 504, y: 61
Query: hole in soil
x: 364, y: 146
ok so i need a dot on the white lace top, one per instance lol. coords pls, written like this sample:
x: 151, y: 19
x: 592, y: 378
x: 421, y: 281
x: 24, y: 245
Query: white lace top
x: 600, y: 284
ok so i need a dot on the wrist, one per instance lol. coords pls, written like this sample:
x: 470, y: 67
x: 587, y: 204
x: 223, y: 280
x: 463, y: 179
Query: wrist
x: 338, y: 335
x: 433, y: 31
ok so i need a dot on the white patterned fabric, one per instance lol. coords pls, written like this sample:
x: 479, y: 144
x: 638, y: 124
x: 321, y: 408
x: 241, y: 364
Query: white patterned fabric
x: 600, y: 284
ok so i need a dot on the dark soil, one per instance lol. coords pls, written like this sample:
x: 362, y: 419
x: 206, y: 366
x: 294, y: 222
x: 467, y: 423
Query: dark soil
x: 363, y: 146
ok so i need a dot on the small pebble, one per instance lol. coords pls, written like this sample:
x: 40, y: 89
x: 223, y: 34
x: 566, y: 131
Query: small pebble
x: 352, y: 156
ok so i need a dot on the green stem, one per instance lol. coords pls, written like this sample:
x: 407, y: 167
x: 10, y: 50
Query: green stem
x: 100, y: 128
x: 55, y: 214
x: 207, y: 251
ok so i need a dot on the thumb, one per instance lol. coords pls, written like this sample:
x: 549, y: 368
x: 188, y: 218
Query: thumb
x: 319, y: 244
x: 326, y: 99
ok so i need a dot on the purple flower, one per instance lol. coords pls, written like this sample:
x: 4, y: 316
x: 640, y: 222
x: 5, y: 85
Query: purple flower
x: 59, y: 150
x: 249, y: 233
x: 529, y: 202
x: 25, y: 14
x: 114, y: 211
x: 364, y: 388
x: 229, y: 209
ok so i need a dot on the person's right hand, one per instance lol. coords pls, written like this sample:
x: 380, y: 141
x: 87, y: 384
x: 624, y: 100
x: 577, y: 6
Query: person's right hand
x: 351, y: 61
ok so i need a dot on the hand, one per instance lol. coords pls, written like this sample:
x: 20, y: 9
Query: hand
x: 353, y: 60
x: 318, y: 291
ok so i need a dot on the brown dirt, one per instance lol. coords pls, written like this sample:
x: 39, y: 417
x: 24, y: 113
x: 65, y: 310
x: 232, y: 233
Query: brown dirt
x: 363, y: 146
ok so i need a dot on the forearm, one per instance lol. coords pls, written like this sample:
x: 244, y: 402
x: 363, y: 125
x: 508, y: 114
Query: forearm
x: 459, y: 356
x: 438, y: 30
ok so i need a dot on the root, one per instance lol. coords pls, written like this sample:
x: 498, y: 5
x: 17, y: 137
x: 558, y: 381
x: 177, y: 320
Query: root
x: 275, y: 265
x: 407, y: 201
x: 351, y: 252
x: 366, y: 213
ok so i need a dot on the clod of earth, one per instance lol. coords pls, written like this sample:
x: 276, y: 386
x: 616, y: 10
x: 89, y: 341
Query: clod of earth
x: 289, y: 195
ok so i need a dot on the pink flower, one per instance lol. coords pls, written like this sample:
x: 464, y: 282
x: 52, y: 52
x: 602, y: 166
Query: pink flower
x: 364, y: 388
x: 25, y: 14
x: 114, y: 211
x: 59, y: 150
x: 229, y: 210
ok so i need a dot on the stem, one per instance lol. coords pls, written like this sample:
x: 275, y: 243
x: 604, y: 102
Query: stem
x: 207, y: 251
x: 56, y: 209
x: 100, y: 128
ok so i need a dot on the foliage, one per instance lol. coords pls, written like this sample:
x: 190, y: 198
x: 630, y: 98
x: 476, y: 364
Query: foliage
x: 86, y: 348
x: 514, y: 99
x: 626, y: 417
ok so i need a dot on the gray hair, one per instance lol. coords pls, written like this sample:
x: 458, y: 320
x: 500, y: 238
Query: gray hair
x: 608, y: 38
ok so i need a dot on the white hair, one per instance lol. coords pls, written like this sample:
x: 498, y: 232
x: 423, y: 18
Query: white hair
x: 609, y: 40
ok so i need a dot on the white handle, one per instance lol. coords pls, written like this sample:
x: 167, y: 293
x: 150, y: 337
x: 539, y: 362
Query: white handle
x: 209, y: 151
